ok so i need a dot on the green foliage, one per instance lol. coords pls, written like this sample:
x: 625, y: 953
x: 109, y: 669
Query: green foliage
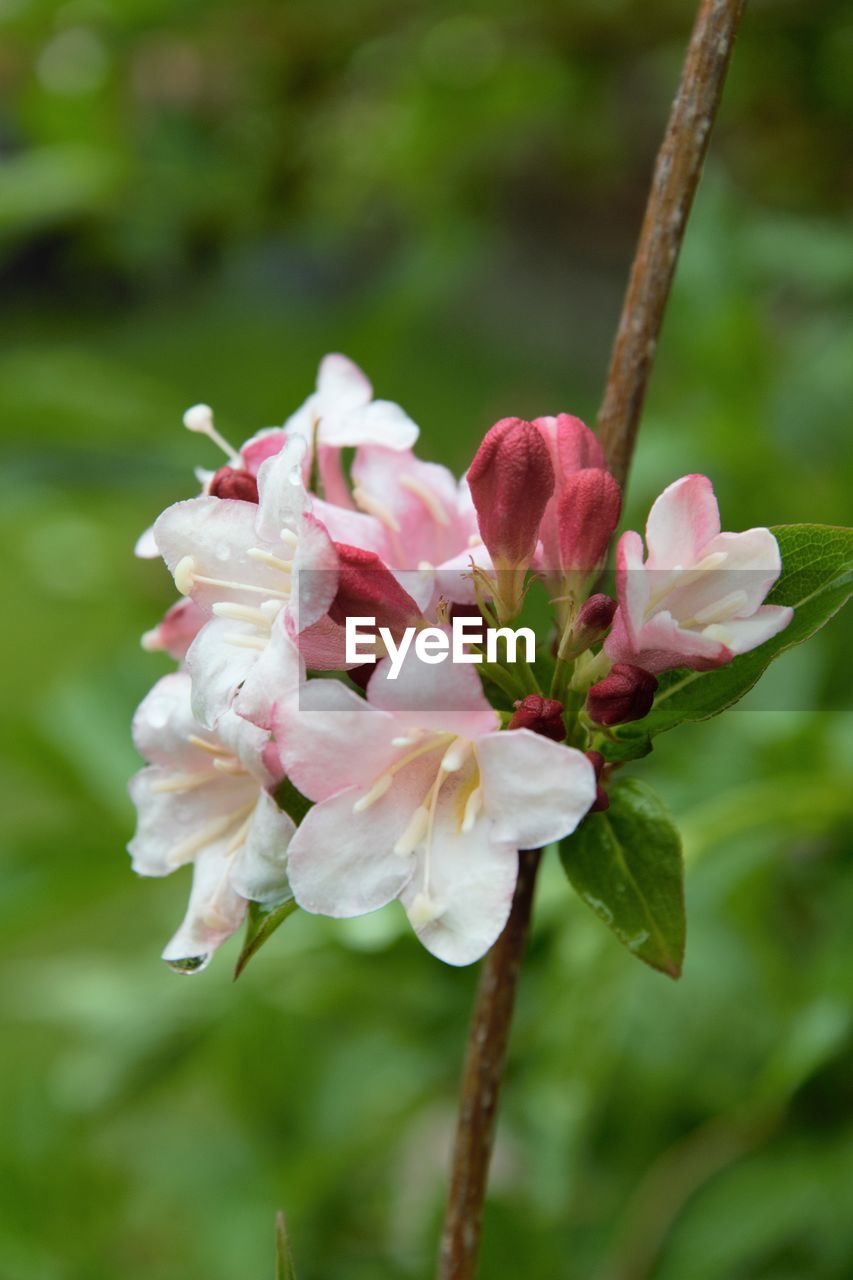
x: 625, y: 863
x: 817, y: 564
x: 243, y: 188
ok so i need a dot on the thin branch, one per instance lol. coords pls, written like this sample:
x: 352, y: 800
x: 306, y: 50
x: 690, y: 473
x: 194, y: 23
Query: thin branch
x: 481, y: 1083
x: 676, y: 174
x: 677, y: 170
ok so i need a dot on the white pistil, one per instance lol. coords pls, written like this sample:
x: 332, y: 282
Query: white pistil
x: 186, y: 578
x: 211, y: 831
x: 179, y: 782
x: 376, y: 792
x: 473, y: 806
x: 721, y: 610
x: 456, y: 755
x: 679, y: 577
x: 228, y: 764
x: 414, y: 833
x: 199, y: 419
x: 433, y: 504
x: 424, y: 909
x: 267, y: 557
x: 245, y: 642
x: 373, y: 507
x: 242, y: 613
x: 213, y: 747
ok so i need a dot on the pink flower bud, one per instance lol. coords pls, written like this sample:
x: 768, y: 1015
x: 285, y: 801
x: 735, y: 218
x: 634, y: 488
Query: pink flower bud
x: 231, y: 483
x: 367, y: 588
x: 627, y: 693
x: 588, y: 509
x: 541, y: 715
x: 511, y: 480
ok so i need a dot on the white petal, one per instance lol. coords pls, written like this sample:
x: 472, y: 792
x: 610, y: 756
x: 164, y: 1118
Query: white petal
x: 471, y: 881
x: 742, y: 634
x: 341, y: 385
x: 218, y: 667
x: 215, y: 911
x: 175, y: 827
x: 380, y: 422
x: 341, y: 862
x: 534, y: 790
x: 164, y: 722
x: 447, y: 697
x: 259, y: 868
x: 282, y: 496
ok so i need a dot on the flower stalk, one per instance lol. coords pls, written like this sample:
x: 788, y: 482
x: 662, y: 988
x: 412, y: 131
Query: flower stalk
x: 676, y: 175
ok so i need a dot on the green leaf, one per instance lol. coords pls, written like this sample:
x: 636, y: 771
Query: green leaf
x: 626, y: 865
x: 284, y: 1266
x: 817, y: 563
x: 261, y: 924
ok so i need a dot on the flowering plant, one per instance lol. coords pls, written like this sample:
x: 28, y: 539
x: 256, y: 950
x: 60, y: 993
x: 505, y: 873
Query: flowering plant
x: 291, y: 776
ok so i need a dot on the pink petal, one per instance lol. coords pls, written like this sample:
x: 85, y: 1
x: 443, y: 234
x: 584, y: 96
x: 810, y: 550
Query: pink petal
x: 444, y: 698
x: 681, y: 523
x: 330, y: 739
x: 214, y: 913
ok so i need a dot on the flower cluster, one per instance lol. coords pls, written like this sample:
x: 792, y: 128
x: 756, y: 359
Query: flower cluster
x: 282, y: 772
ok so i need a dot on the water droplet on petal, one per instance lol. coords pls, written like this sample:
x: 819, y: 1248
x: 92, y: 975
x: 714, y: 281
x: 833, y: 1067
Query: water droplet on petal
x: 189, y: 964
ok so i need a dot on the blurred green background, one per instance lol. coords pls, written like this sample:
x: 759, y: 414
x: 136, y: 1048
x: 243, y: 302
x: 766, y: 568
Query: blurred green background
x: 197, y: 199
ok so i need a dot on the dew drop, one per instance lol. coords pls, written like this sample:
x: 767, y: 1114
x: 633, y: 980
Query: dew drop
x: 187, y: 965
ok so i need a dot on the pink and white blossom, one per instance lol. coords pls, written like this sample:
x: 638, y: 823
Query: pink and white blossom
x: 420, y: 797
x: 204, y: 798
x: 696, y: 599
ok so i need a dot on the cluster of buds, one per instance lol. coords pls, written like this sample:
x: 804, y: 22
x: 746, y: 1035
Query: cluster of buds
x: 415, y: 782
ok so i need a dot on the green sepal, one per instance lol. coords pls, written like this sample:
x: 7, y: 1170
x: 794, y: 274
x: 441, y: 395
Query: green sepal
x: 261, y: 924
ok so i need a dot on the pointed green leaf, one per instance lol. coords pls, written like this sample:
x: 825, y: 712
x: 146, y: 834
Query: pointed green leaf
x: 816, y: 580
x: 284, y: 1266
x: 261, y: 924
x: 626, y: 865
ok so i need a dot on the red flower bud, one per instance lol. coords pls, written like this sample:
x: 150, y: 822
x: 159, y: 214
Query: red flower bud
x: 596, y: 759
x: 511, y: 480
x: 540, y: 715
x: 601, y: 801
x: 627, y: 693
x: 588, y: 509
x: 231, y: 483
x: 367, y: 588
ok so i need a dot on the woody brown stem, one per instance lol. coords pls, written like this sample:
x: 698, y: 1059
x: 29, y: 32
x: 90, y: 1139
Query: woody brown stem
x: 481, y: 1082
x: 676, y: 174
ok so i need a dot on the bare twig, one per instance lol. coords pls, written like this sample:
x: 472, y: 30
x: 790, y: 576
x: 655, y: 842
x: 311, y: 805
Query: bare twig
x: 481, y: 1082
x: 676, y: 175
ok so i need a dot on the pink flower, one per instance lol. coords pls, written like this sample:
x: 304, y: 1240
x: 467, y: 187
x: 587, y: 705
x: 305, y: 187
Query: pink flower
x: 203, y: 799
x: 340, y: 414
x: 242, y: 566
x: 697, y: 599
x: 420, y: 797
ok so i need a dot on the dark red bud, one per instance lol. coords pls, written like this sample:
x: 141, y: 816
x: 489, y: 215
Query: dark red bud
x: 541, y: 715
x: 601, y: 801
x: 368, y: 588
x: 596, y: 615
x: 627, y: 693
x: 231, y: 483
x: 596, y: 759
x: 511, y: 480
